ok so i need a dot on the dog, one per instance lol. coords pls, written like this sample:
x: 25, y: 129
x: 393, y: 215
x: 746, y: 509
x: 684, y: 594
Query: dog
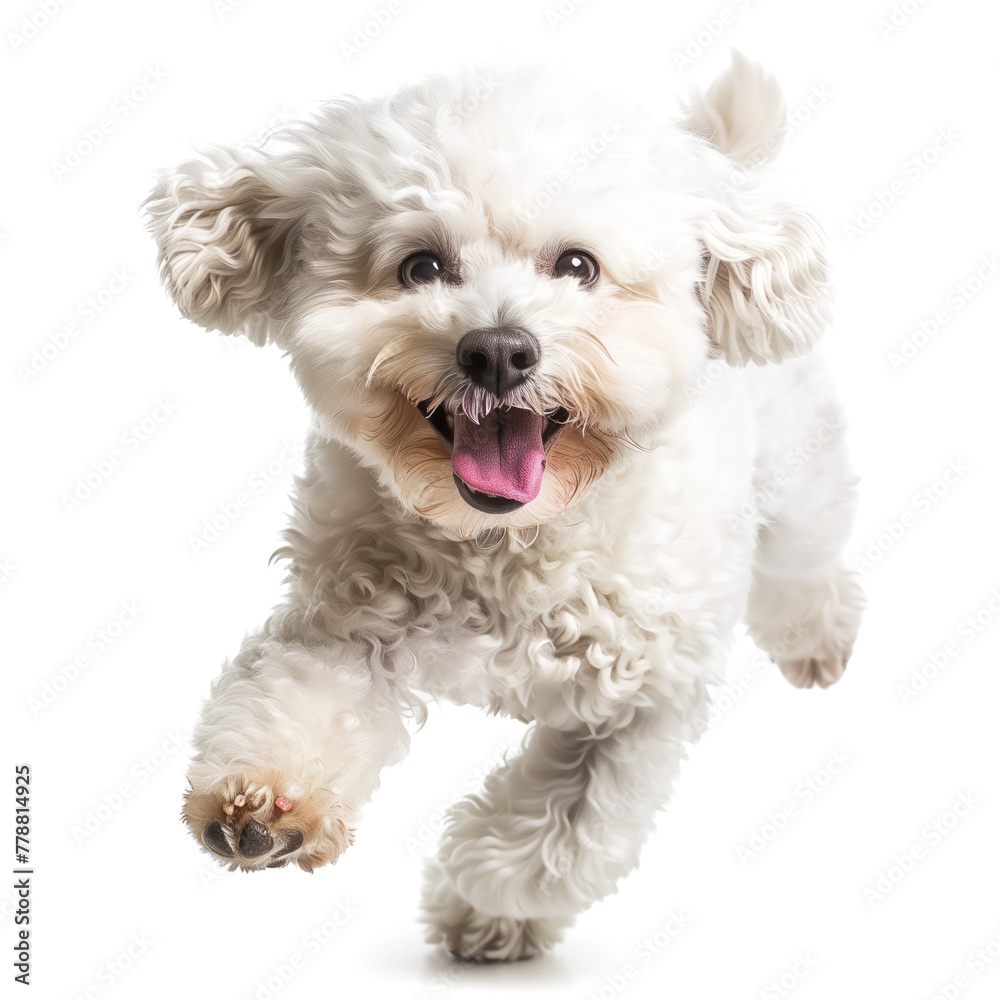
x: 569, y: 433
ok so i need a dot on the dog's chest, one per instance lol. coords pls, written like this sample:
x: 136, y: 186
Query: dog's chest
x: 574, y: 627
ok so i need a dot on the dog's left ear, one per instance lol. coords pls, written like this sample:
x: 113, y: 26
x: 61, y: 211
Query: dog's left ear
x: 764, y: 284
x: 765, y: 281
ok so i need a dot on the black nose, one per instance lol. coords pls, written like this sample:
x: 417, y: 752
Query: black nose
x: 499, y: 358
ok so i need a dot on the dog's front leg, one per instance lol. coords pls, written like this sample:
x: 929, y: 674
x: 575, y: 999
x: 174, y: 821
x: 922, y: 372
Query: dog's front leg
x: 289, y: 747
x: 552, y: 831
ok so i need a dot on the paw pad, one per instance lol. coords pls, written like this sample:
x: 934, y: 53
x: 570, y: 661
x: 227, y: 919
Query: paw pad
x: 241, y: 821
x: 248, y: 829
x: 255, y: 840
x: 215, y: 838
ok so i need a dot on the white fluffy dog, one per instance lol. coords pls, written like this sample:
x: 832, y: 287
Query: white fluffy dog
x: 544, y: 479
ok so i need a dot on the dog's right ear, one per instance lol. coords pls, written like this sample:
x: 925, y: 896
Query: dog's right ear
x: 226, y: 235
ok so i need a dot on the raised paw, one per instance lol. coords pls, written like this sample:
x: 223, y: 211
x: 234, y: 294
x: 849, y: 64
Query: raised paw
x: 252, y: 823
x: 818, y: 625
x: 822, y: 671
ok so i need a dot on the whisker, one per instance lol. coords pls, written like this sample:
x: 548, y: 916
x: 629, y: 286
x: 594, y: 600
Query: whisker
x: 601, y: 346
x: 387, y: 352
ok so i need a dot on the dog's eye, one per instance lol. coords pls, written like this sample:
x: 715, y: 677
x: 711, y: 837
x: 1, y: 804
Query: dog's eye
x: 577, y: 264
x: 419, y: 269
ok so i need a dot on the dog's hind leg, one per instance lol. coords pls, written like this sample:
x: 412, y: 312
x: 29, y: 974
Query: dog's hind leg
x: 553, y: 831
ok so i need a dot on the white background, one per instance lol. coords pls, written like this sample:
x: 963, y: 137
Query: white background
x: 227, y: 73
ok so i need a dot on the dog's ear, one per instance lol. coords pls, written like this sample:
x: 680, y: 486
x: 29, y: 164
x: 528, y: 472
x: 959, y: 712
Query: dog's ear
x: 765, y: 279
x: 226, y: 236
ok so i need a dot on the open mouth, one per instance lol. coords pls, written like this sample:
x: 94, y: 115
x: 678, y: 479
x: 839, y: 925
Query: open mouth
x: 498, y: 462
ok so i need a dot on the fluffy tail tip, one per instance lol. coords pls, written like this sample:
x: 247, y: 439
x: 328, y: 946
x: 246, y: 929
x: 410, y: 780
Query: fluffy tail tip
x: 741, y: 113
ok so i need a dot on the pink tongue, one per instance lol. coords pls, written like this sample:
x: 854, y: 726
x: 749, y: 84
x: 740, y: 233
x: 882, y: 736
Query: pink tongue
x: 506, y: 460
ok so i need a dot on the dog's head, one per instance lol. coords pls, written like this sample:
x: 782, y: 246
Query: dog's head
x: 492, y: 288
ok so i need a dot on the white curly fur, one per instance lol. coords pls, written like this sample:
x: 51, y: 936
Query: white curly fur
x: 685, y: 493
